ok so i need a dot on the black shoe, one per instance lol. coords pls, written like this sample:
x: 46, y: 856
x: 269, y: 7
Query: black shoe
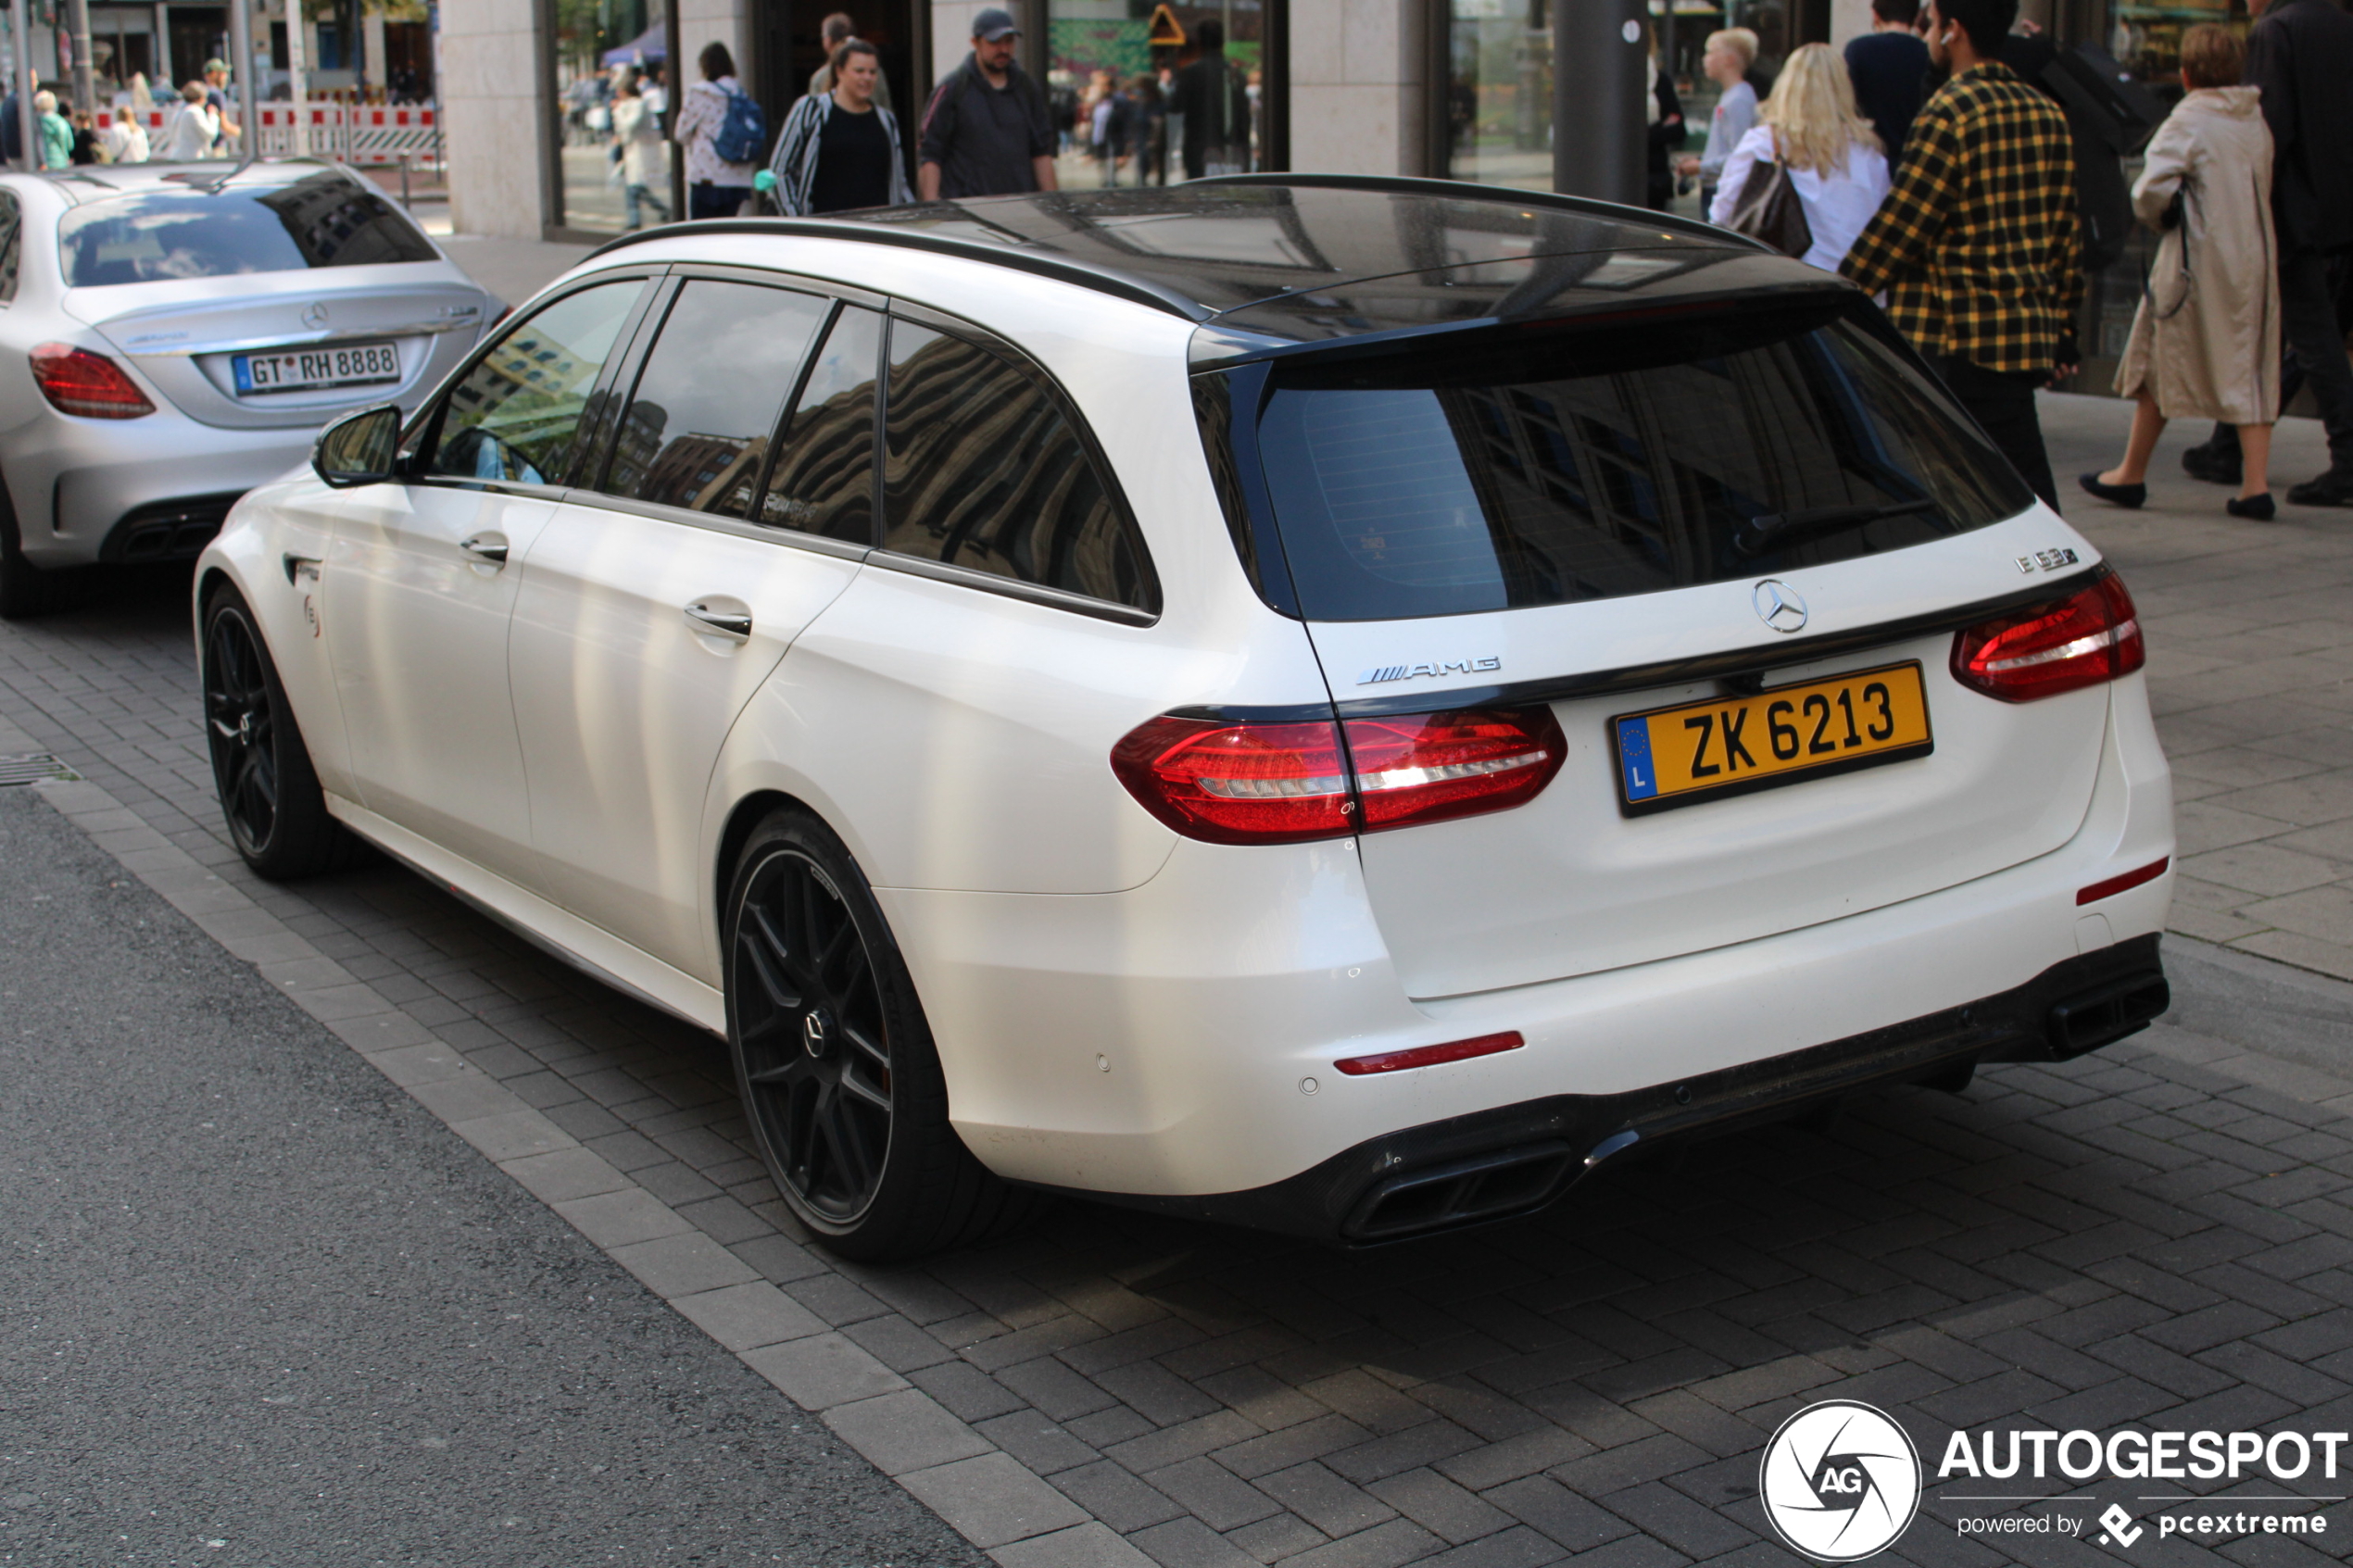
x: 2122, y: 494
x: 2211, y: 461
x: 2258, y: 508
x: 2333, y: 488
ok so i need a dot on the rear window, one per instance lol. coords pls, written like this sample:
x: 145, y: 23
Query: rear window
x: 1556, y: 466
x: 324, y: 221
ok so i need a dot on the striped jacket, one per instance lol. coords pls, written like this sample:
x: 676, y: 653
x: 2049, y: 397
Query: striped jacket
x: 794, y: 162
x: 1977, y: 246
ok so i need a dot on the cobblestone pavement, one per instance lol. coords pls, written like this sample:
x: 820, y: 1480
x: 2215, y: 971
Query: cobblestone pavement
x: 2160, y: 1231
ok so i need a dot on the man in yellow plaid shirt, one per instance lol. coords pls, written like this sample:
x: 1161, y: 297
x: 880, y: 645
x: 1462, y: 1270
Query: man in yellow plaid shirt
x: 1977, y: 245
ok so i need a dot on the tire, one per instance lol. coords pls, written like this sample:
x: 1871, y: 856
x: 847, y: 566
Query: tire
x: 839, y: 1079
x: 24, y: 587
x: 277, y: 814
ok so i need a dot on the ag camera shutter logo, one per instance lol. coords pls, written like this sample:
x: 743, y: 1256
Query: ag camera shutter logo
x: 1839, y: 1480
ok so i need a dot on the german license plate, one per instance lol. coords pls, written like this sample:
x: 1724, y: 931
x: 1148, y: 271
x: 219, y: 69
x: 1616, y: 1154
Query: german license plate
x: 345, y: 364
x: 1697, y: 751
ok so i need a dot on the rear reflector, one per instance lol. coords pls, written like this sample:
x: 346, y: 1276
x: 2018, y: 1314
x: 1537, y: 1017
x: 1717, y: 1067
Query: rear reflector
x: 1430, y: 1055
x: 2091, y: 636
x: 2117, y: 884
x: 75, y: 380
x: 1429, y: 767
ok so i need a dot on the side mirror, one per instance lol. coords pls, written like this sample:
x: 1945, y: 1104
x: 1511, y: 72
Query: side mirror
x: 358, y: 448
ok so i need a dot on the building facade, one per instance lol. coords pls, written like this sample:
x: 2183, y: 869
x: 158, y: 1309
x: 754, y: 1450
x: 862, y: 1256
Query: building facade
x: 1457, y: 88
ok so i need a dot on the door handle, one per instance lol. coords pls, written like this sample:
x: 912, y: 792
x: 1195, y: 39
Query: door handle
x: 485, y: 546
x: 726, y: 620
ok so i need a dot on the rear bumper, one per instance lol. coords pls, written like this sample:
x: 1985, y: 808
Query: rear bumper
x: 1511, y: 1160
x: 146, y: 489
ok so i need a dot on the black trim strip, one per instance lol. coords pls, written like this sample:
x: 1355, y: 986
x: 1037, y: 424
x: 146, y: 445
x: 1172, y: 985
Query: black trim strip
x: 1103, y: 280
x: 716, y: 522
x: 1035, y: 593
x: 1243, y: 713
x: 1718, y: 666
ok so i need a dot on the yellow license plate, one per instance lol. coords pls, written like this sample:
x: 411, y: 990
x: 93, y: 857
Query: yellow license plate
x: 1697, y: 751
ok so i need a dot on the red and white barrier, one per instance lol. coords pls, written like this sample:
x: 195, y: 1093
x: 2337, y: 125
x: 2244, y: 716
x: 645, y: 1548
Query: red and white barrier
x: 365, y: 133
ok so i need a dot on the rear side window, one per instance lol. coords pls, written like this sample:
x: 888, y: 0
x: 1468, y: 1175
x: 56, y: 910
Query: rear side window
x: 823, y: 481
x: 983, y: 469
x: 515, y: 415
x: 324, y: 221
x: 696, y: 432
x: 1597, y: 464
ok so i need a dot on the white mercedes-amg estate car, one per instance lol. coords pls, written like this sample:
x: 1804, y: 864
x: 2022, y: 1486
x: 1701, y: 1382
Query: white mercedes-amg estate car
x: 1333, y: 705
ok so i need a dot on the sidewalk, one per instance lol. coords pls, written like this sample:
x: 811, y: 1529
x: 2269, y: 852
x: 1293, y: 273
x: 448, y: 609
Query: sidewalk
x: 2250, y: 629
x: 2250, y: 633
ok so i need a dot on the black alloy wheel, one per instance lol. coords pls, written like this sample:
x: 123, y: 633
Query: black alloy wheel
x: 839, y: 1079
x: 816, y: 1046
x: 277, y: 814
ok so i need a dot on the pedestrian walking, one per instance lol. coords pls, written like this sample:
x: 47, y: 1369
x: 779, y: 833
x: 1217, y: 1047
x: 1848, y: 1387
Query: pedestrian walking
x: 56, y: 136
x: 713, y: 124
x: 216, y: 98
x: 985, y: 131
x: 1149, y: 128
x: 1977, y: 242
x: 1215, y: 101
x: 1726, y: 61
x: 2300, y: 55
x: 1811, y: 127
x: 645, y: 163
x: 1889, y: 67
x: 839, y: 150
x: 126, y: 139
x: 838, y: 29
x: 189, y: 135
x: 2206, y: 339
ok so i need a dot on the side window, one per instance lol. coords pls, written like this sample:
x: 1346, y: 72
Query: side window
x: 982, y: 471
x: 514, y: 416
x: 11, y: 244
x: 696, y: 432
x: 824, y: 480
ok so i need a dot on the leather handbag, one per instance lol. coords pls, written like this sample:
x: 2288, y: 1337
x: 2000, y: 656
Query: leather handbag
x: 1769, y: 209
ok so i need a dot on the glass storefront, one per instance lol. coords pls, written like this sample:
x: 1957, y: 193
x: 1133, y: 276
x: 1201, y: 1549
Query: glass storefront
x: 1498, y: 93
x: 1135, y: 91
x: 597, y: 43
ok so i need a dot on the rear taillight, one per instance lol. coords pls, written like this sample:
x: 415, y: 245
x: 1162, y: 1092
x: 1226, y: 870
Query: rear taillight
x: 78, y: 381
x: 1290, y: 781
x: 2090, y: 636
x: 1432, y: 765
x: 1239, y: 784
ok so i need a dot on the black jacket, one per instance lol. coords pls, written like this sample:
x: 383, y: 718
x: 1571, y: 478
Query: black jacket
x: 1890, y: 73
x: 2301, y: 55
x: 986, y: 139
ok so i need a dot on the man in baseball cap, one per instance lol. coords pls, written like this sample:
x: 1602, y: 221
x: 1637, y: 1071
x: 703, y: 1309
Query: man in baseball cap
x: 987, y: 130
x: 216, y: 98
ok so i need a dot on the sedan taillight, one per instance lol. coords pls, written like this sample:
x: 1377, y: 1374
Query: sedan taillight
x: 78, y: 381
x: 2091, y: 636
x: 1290, y: 782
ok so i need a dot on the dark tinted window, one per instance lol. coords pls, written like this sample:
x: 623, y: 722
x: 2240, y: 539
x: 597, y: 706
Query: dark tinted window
x: 1608, y: 462
x: 982, y: 469
x: 325, y: 221
x: 695, y: 433
x: 823, y: 478
x: 514, y: 416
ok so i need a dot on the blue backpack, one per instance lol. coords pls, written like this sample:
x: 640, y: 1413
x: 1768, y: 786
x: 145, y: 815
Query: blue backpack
x: 743, y: 133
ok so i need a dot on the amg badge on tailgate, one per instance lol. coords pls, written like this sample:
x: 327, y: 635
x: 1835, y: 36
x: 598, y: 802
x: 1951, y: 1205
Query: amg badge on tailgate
x: 1439, y: 669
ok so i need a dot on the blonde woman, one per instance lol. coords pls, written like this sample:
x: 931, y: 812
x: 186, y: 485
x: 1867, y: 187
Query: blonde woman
x: 2206, y: 340
x: 1835, y: 161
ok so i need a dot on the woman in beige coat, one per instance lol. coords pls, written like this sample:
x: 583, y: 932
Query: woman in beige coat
x: 2206, y: 341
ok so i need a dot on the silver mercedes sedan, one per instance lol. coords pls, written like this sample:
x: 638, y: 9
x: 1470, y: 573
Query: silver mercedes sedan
x: 173, y: 334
